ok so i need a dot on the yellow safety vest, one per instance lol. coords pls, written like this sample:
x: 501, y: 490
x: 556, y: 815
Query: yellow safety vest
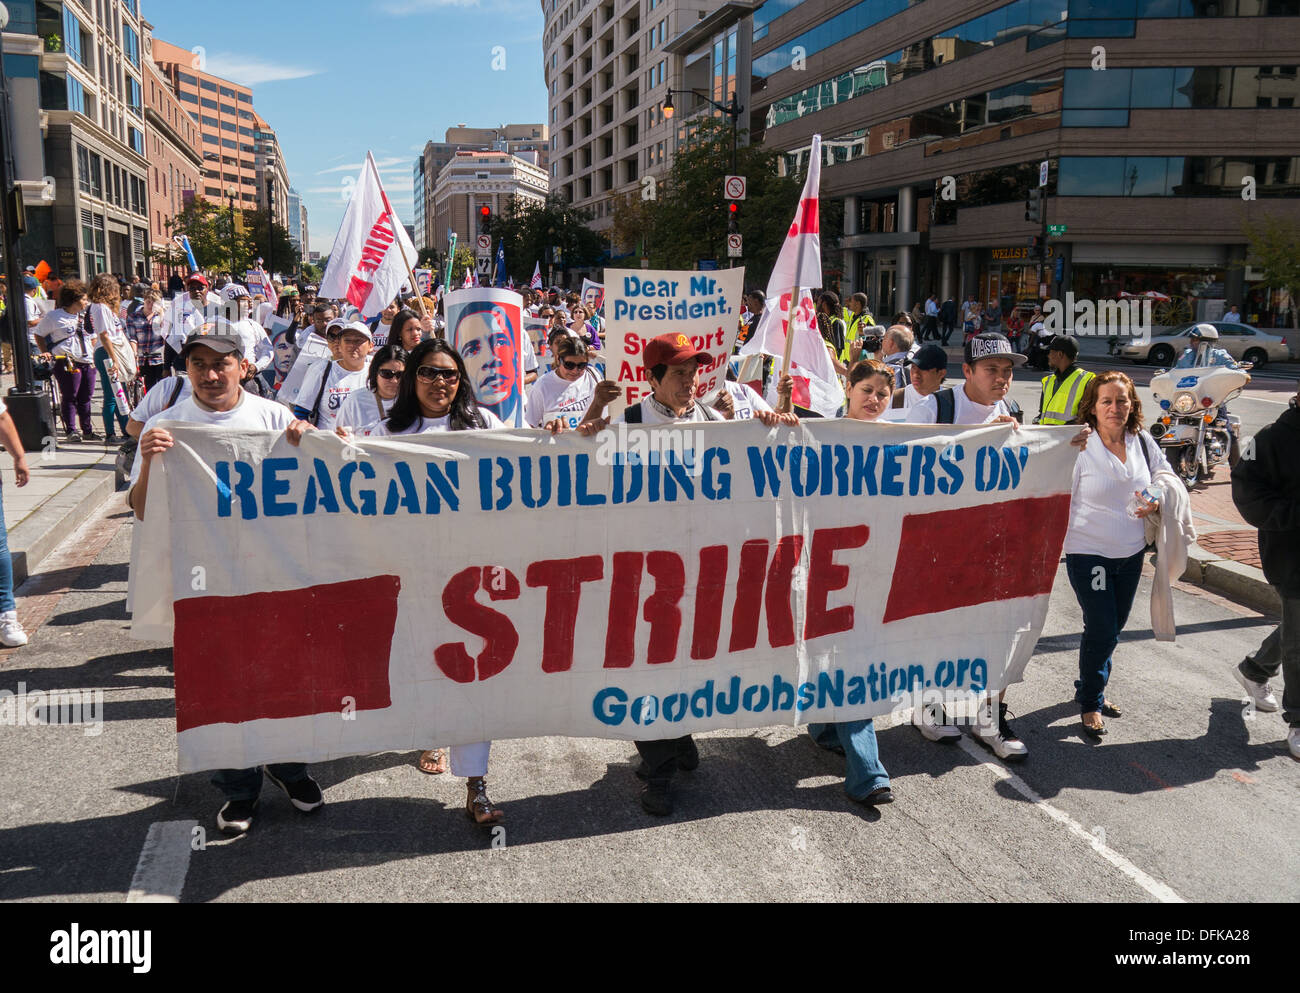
x: 1061, y: 404
x: 852, y: 321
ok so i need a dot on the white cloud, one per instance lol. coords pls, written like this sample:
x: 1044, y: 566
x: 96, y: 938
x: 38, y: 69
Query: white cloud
x: 383, y: 165
x: 249, y: 70
x: 403, y: 8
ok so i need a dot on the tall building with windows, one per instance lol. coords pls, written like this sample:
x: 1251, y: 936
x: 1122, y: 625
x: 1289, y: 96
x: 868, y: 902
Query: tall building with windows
x: 269, y: 166
x: 473, y: 180
x: 175, y: 154
x: 227, y: 125
x: 295, y: 221
x: 1168, y: 126
x: 609, y: 67
x: 78, y: 118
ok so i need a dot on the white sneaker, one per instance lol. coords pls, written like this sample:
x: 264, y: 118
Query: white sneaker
x: 12, y: 634
x: 997, y: 735
x: 1261, y: 694
x: 928, y: 724
x: 1293, y: 742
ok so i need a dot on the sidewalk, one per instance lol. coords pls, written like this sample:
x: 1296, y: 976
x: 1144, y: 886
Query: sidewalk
x: 65, y: 486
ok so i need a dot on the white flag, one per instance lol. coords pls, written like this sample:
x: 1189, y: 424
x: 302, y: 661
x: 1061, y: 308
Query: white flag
x: 799, y: 264
x: 366, y: 267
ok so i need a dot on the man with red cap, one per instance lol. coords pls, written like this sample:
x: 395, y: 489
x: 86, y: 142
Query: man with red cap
x: 672, y: 367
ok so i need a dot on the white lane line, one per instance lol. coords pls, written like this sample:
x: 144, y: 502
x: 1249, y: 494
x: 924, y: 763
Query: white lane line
x: 1153, y: 886
x: 164, y: 861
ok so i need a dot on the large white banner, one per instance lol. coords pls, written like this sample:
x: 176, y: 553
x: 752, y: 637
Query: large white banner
x: 328, y: 600
x: 645, y: 303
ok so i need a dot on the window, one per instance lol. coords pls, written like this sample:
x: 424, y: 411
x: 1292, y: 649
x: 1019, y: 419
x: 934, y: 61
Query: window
x: 227, y: 92
x: 96, y: 177
x: 244, y: 97
x: 228, y: 109
x: 210, y: 122
x: 187, y: 78
x: 188, y: 97
x: 208, y: 85
x: 134, y: 100
x: 135, y: 138
x: 208, y: 104
x: 83, y: 169
x: 76, y: 95
x: 131, y: 45
x: 92, y: 242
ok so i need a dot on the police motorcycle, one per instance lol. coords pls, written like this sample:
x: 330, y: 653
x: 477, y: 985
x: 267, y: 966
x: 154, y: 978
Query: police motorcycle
x: 1194, y: 426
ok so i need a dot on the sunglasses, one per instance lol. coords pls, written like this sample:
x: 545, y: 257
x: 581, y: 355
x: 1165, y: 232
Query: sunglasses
x: 390, y: 373
x: 572, y: 365
x: 433, y: 373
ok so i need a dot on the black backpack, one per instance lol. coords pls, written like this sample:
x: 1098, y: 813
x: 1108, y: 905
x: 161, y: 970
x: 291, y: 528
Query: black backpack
x: 947, y: 403
x: 126, y: 454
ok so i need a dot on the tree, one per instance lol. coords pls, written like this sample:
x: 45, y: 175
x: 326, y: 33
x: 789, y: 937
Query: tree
x: 1275, y: 251
x: 688, y: 219
x: 208, y: 227
x: 531, y: 227
x: 285, y: 256
x: 429, y: 258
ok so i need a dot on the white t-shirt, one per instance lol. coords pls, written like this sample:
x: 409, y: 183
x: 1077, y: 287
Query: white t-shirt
x: 104, y: 321
x: 651, y: 414
x: 63, y: 332
x: 361, y: 411
x: 746, y: 401
x: 1100, y: 492
x: 380, y: 333
x: 155, y: 401
x: 257, y: 346
x: 966, y: 410
x: 337, y: 387
x: 428, y: 425
x: 552, y: 394
x: 250, y: 414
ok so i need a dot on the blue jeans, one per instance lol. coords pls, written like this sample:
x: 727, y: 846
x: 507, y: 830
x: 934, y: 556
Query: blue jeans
x: 858, y: 739
x: 110, y: 399
x: 1105, y: 611
x: 246, y: 784
x: 6, y: 564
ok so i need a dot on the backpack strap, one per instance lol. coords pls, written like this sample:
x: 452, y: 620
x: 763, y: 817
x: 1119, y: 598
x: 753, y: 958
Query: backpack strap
x: 947, y: 404
x: 176, y: 393
x: 314, y: 416
x: 1146, y: 452
x: 633, y: 414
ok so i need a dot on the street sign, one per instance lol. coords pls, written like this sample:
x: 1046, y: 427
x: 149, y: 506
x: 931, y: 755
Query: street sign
x: 1042, y: 173
x: 484, y: 266
x: 1056, y: 230
x: 734, y: 244
x: 706, y: 264
x: 484, y: 245
x: 734, y: 187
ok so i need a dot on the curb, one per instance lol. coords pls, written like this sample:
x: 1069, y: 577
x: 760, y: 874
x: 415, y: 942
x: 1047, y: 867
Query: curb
x: 38, y: 533
x: 1242, y: 583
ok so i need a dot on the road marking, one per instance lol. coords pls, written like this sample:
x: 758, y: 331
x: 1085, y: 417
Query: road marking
x: 1153, y: 886
x: 164, y: 862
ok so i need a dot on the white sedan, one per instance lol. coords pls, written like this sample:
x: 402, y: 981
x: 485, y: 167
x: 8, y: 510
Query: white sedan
x: 1243, y: 342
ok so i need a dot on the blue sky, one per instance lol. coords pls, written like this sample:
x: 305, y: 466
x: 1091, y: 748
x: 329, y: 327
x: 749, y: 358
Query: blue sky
x: 337, y: 78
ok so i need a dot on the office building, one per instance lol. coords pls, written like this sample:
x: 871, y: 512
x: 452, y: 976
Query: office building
x: 473, y: 180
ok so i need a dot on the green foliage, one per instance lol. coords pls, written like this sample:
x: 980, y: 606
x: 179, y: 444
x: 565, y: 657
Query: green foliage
x: 530, y: 227
x: 217, y: 247
x: 1275, y: 251
x: 688, y: 218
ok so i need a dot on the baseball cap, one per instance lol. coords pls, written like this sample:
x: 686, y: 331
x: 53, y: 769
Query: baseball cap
x: 31, y: 269
x: 338, y: 324
x: 234, y: 291
x: 356, y: 326
x: 139, y: 289
x: 224, y: 344
x: 672, y: 349
x: 990, y: 345
x: 929, y: 357
x: 29, y: 283
x: 1066, y: 345
x: 197, y: 277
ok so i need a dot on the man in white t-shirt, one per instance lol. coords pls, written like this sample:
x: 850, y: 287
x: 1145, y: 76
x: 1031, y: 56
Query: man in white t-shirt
x: 257, y: 346
x: 215, y: 365
x: 327, y: 384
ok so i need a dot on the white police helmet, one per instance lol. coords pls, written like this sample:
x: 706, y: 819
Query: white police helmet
x: 1206, y: 332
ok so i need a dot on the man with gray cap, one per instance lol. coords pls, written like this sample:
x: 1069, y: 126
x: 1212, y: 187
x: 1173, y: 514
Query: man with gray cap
x: 1064, y: 387
x: 215, y: 365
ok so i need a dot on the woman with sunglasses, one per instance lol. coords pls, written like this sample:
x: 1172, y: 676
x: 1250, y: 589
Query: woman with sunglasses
x: 567, y: 389
x: 435, y: 395
x: 363, y: 409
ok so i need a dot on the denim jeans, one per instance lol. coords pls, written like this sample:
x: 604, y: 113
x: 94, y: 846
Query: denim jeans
x: 1279, y: 652
x: 246, y: 784
x: 6, y: 564
x: 1105, y: 611
x: 111, y: 413
x: 865, y: 771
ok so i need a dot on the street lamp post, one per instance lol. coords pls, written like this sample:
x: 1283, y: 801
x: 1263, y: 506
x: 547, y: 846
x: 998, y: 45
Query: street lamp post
x: 29, y: 407
x: 270, y: 229
x: 230, y: 203
x: 732, y: 110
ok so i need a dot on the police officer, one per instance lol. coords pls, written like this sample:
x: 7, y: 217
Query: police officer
x: 1063, y: 389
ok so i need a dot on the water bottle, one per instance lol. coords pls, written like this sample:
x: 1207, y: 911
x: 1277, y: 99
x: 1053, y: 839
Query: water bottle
x: 1151, y: 494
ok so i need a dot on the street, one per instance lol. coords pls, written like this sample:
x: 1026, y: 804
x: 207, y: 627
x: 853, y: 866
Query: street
x: 1189, y: 798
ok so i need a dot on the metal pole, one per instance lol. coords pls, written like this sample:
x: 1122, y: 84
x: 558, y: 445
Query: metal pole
x: 15, y: 304
x: 230, y: 203
x: 270, y: 229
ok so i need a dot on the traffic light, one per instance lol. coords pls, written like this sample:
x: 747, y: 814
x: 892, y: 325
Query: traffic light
x: 1035, y: 243
x: 1034, y: 206
x: 484, y: 217
x: 733, y: 217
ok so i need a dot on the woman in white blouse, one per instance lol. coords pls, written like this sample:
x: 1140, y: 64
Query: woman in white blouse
x: 363, y: 409
x: 1112, y: 493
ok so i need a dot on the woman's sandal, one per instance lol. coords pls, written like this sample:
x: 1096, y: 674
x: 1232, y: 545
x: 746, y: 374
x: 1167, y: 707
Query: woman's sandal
x: 478, y: 808
x: 433, y: 762
x: 1108, y: 709
x: 1095, y: 733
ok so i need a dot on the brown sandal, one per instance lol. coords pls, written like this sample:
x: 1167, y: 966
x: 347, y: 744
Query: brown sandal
x: 478, y: 808
x: 433, y: 762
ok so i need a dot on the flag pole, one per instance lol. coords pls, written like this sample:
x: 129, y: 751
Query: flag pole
x: 787, y: 402
x: 415, y: 287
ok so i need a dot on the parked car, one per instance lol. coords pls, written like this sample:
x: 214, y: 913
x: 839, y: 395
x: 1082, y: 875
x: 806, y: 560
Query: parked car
x: 1243, y: 342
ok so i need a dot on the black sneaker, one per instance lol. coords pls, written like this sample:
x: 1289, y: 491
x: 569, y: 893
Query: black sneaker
x: 73, y: 438
x: 305, y: 794
x: 91, y: 436
x: 688, y: 756
x: 877, y: 796
x: 236, y: 817
x: 655, y: 799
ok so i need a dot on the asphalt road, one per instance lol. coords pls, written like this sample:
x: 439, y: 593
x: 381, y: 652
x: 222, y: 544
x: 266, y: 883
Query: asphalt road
x: 1189, y: 798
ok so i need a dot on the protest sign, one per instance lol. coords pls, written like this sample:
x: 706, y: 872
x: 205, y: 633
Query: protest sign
x: 486, y: 326
x: 537, y: 328
x: 645, y: 303
x: 593, y: 296
x: 644, y: 583
x: 312, y: 349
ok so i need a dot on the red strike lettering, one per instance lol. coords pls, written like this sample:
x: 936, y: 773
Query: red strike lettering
x: 563, y: 579
x: 499, y: 634
x: 825, y: 576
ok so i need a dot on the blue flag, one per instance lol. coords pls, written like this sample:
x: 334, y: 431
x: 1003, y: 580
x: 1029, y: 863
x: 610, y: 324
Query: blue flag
x: 501, y: 263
